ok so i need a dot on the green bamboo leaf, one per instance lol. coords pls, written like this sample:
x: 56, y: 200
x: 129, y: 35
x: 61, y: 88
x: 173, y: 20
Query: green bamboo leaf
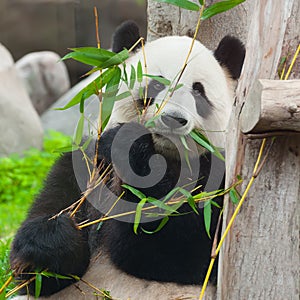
x: 90, y: 89
x: 123, y: 96
x: 201, y: 2
x: 89, y: 55
x: 55, y: 275
x: 38, y: 285
x: 215, y: 204
x: 116, y: 59
x: 171, y: 194
x: 141, y: 92
x: 207, y: 216
x: 125, y: 76
x: 162, y: 223
x: 206, y: 194
x: 177, y: 87
x: 150, y: 122
x: 87, y: 142
x: 132, y: 78
x: 190, y: 199
x: 109, y: 98
x: 201, y: 140
x: 234, y: 196
x: 134, y: 191
x: 161, y: 80
x: 66, y: 149
x: 139, y: 72
x: 182, y: 3
x: 138, y: 214
x: 79, y: 130
x: 184, y: 143
x: 161, y: 205
x: 219, y: 7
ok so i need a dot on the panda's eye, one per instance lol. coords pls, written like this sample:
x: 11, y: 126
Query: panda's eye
x: 158, y: 86
x: 198, y: 89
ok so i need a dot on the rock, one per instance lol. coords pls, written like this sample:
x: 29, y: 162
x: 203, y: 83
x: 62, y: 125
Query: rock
x: 55, y: 25
x: 65, y: 121
x: 20, y: 126
x: 46, y: 78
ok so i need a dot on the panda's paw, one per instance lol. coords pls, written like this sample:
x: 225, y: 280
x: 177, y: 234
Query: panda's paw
x: 54, y: 245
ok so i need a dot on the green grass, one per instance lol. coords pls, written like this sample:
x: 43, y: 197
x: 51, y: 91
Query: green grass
x: 21, y: 177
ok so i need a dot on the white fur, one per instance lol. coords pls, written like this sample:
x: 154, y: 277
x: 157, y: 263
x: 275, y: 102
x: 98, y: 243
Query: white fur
x: 165, y: 57
x: 103, y: 275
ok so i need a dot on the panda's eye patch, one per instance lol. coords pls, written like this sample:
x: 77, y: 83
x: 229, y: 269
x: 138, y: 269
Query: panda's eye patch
x: 203, y: 105
x: 158, y: 85
x: 198, y: 89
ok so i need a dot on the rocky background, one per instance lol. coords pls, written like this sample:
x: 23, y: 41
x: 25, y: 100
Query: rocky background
x: 34, y: 34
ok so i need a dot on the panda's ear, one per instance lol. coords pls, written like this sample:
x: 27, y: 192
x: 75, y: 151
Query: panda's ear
x: 230, y: 54
x: 125, y: 36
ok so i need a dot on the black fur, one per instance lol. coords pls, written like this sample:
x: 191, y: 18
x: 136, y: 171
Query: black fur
x: 230, y: 53
x: 55, y: 245
x: 180, y: 252
x: 126, y: 35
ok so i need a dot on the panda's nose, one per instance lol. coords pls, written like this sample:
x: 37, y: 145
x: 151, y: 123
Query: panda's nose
x: 173, y: 122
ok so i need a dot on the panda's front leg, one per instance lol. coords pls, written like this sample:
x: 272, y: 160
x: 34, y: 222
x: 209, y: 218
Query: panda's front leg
x: 56, y: 245
x: 130, y: 149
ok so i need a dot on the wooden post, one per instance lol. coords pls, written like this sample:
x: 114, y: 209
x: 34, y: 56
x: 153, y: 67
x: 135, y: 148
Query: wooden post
x: 260, y: 257
x: 273, y: 105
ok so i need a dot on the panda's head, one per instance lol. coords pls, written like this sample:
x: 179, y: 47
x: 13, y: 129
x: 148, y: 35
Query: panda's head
x: 203, y: 100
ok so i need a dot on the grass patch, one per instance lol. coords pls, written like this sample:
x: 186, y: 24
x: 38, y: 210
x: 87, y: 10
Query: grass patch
x: 21, y: 178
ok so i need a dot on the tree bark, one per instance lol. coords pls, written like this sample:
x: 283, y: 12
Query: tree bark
x: 165, y: 19
x: 260, y: 257
x: 273, y: 105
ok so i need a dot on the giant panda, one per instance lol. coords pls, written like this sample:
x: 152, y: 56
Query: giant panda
x: 172, y: 262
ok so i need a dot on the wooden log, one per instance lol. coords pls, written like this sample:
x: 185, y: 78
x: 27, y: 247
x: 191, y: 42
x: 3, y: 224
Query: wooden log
x: 272, y: 105
x: 260, y: 257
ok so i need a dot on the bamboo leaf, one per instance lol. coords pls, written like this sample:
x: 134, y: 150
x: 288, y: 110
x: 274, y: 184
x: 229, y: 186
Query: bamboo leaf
x: 132, y: 78
x: 177, y: 87
x: 207, y: 217
x: 122, y: 96
x: 161, y: 80
x: 139, y: 72
x: 109, y: 98
x: 90, y: 89
x: 79, y: 130
x: 162, y: 223
x: 190, y: 199
x: 184, y: 143
x: 86, y: 143
x: 182, y: 3
x: 66, y: 149
x: 90, y: 55
x: 50, y: 274
x: 219, y: 7
x: 201, y: 140
x: 234, y: 196
x: 201, y: 2
x: 134, y: 191
x: 204, y: 142
x: 38, y: 285
x: 116, y: 59
x: 138, y: 214
x: 161, y: 205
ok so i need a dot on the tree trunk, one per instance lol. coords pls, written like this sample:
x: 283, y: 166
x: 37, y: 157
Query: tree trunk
x: 260, y: 257
x: 165, y: 19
